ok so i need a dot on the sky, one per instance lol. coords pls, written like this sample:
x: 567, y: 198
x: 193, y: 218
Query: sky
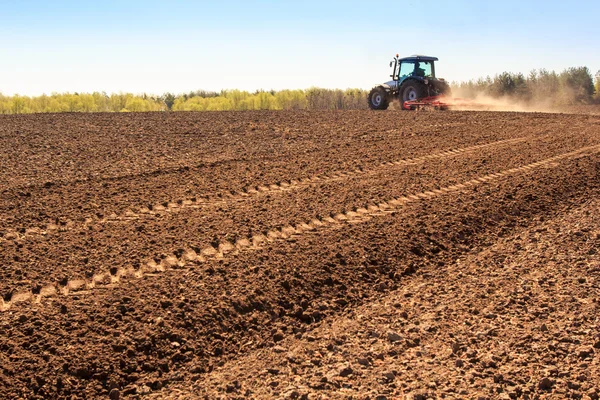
x: 179, y: 46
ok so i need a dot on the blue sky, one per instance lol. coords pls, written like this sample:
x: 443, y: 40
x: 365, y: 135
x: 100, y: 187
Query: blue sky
x: 178, y: 46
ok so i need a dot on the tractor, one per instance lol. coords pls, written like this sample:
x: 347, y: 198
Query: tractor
x: 413, y: 83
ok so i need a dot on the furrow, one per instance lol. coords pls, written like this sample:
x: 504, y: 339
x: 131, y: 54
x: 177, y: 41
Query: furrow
x: 225, y: 248
x: 197, y: 202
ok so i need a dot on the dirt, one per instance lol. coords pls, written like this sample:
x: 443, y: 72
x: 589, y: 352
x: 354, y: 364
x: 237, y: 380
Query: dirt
x: 300, y: 255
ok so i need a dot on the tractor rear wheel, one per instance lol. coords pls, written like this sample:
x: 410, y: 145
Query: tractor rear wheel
x: 412, y: 90
x: 378, y: 99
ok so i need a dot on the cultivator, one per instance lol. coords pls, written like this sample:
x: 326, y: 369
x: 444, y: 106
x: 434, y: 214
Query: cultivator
x: 442, y: 103
x: 431, y: 102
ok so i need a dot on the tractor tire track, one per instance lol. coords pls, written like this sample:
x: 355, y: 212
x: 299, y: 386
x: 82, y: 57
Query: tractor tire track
x: 198, y: 202
x: 225, y: 248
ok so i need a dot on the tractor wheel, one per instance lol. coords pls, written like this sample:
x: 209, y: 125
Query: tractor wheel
x: 412, y: 90
x: 378, y: 99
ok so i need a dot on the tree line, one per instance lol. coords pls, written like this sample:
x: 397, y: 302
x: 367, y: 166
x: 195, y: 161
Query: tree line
x: 571, y: 86
x: 79, y: 102
x: 310, y: 99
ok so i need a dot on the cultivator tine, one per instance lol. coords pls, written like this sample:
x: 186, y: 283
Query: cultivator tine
x: 443, y: 103
x: 432, y: 102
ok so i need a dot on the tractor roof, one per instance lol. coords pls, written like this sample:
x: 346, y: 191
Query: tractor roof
x: 418, y: 57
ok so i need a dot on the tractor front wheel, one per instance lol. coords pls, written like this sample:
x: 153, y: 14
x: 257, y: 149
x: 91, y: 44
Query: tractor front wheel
x: 412, y: 90
x: 378, y: 99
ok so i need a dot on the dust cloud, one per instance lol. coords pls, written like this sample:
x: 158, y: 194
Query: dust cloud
x: 483, y: 102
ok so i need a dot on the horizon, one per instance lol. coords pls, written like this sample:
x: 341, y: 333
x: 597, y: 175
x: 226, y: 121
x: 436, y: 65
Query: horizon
x: 152, y: 48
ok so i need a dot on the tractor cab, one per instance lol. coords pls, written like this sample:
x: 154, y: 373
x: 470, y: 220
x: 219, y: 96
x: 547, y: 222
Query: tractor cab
x: 413, y: 66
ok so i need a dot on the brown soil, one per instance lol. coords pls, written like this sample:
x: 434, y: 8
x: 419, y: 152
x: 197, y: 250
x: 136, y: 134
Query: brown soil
x: 297, y: 254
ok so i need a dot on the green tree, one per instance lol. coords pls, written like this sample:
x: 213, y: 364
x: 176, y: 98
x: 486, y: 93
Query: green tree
x: 135, y: 104
x: 291, y: 99
x: 577, y: 85
x: 169, y: 100
x: 509, y: 84
x: 18, y: 104
x: 266, y: 101
x: 5, y: 104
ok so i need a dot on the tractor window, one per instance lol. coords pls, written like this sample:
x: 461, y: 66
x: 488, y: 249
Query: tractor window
x: 406, y: 69
x: 410, y: 68
x: 424, y: 69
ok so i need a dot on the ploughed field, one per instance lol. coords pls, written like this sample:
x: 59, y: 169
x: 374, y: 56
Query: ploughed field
x: 300, y: 255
